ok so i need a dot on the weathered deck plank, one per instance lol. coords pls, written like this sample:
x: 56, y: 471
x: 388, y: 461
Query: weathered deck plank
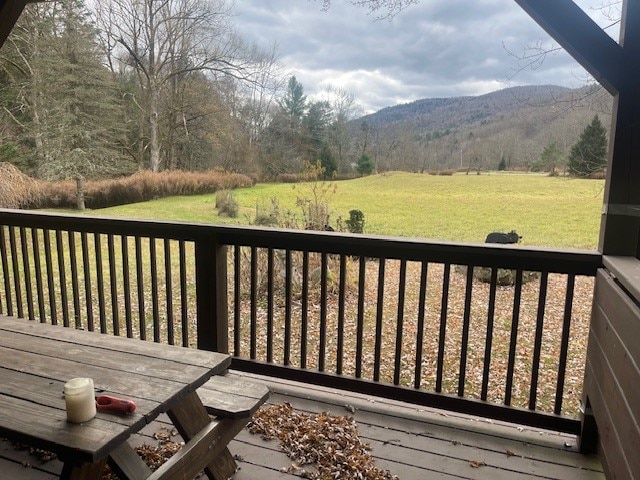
x: 411, y: 442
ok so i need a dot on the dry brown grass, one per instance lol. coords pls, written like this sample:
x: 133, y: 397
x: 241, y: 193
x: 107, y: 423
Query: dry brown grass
x: 17, y: 190
x: 140, y: 187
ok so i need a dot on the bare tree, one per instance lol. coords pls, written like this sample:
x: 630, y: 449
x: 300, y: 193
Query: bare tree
x: 164, y: 42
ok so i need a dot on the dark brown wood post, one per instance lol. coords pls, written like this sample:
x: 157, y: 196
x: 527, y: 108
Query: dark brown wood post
x: 10, y: 10
x: 588, y: 437
x: 617, y: 67
x: 211, y: 292
x: 620, y: 224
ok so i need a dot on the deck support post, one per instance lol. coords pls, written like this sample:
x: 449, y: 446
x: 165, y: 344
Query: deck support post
x: 588, y: 437
x: 211, y: 292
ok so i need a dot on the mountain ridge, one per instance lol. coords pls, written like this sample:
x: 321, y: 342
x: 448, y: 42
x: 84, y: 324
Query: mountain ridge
x: 479, y: 132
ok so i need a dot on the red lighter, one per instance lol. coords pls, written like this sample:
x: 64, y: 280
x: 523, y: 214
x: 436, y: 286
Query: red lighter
x: 108, y: 403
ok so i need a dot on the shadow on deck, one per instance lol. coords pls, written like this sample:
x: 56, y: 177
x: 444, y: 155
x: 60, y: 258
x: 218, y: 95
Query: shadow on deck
x: 411, y: 442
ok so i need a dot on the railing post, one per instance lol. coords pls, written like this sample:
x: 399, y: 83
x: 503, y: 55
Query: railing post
x: 211, y: 294
x: 588, y: 437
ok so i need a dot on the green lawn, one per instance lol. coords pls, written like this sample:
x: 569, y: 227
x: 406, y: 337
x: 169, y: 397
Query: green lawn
x: 546, y: 211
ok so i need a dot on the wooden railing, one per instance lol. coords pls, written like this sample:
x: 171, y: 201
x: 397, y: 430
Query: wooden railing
x: 399, y: 318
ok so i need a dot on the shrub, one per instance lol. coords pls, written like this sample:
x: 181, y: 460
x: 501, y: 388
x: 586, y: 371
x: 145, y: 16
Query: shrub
x: 447, y: 173
x: 17, y: 190
x: 227, y: 204
x: 289, y: 178
x: 355, y: 223
x: 273, y: 216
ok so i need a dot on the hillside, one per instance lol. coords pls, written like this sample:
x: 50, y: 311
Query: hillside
x: 448, y: 113
x: 515, y: 123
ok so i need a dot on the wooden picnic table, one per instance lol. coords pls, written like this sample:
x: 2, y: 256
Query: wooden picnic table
x: 36, y: 360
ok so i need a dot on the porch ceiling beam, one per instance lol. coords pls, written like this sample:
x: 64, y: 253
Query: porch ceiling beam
x: 583, y: 39
x: 10, y: 10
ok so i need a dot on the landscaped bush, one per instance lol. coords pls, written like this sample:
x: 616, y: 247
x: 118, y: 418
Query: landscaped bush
x: 227, y: 204
x: 140, y: 187
x: 17, y: 190
x: 355, y: 223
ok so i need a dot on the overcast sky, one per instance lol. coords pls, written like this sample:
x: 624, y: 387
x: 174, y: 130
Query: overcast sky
x: 439, y: 48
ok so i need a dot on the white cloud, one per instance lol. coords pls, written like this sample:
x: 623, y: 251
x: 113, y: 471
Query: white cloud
x: 436, y: 48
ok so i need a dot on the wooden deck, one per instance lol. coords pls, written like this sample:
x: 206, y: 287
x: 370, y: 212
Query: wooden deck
x: 411, y: 442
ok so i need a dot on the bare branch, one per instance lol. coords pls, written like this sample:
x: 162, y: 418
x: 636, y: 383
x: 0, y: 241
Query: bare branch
x: 380, y: 9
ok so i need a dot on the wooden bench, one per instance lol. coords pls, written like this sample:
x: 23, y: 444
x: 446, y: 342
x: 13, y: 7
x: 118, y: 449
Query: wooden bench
x: 231, y: 396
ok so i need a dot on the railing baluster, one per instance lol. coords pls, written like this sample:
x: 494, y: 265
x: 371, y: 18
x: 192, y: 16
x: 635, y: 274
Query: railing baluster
x: 62, y: 272
x: 287, y: 307
x: 489, y: 339
x: 254, y: 304
x: 270, y: 282
x: 113, y: 285
x: 379, y: 318
x: 341, y: 299
x: 126, y: 285
x: 515, y: 319
x: 142, y: 314
x: 169, y: 291
x: 153, y: 272
x: 75, y: 289
x: 88, y: 294
x: 184, y: 312
x: 50, y: 277
x: 444, y: 305
x: 237, y: 305
x: 17, y: 285
x: 466, y: 320
x: 400, y: 323
x: 422, y: 303
x: 100, y: 283
x: 305, y: 309
x: 360, y: 321
x: 35, y: 241
x: 5, y: 272
x: 542, y: 300
x: 322, y: 351
x: 26, y: 269
x: 564, y: 344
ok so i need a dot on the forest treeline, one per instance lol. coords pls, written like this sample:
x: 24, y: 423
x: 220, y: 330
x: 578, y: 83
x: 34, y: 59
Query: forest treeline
x: 130, y: 85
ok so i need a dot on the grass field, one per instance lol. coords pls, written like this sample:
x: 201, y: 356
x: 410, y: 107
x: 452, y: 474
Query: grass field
x: 546, y: 211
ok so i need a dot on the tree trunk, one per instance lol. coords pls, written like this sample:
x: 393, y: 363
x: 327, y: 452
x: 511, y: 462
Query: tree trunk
x: 80, y: 192
x: 154, y: 144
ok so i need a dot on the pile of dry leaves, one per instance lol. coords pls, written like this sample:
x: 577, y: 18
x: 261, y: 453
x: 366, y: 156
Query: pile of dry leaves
x: 323, y: 446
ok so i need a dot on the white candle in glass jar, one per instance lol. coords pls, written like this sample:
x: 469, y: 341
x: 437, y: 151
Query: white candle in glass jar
x: 80, y: 400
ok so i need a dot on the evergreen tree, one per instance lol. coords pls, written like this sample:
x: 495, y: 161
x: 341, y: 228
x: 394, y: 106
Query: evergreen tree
x: 317, y: 121
x: 327, y: 162
x: 294, y: 103
x: 85, y: 117
x: 364, y: 165
x: 68, y: 114
x: 502, y: 166
x: 589, y: 154
x: 550, y: 157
